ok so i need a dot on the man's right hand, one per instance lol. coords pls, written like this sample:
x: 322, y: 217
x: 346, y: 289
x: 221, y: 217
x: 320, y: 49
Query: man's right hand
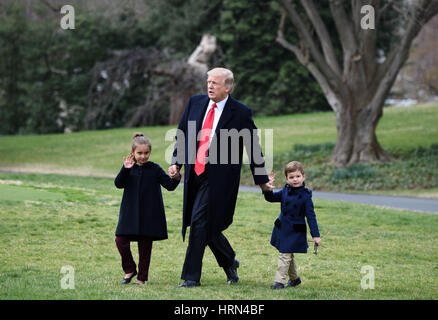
x: 173, y: 171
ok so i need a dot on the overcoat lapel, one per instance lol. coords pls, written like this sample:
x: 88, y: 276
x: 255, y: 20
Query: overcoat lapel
x: 227, y: 115
x: 200, y: 116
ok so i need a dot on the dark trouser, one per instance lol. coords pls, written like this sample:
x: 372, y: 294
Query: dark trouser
x: 198, y: 238
x: 144, y: 253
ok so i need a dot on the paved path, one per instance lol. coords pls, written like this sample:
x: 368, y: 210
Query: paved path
x: 408, y: 203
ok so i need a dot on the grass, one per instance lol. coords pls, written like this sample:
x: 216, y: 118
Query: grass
x: 75, y: 226
x: 97, y: 153
x: 421, y: 193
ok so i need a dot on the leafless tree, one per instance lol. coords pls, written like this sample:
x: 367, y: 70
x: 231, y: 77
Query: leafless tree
x: 357, y: 83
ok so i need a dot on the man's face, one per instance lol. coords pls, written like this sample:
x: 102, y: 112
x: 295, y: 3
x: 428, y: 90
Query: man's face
x: 217, y: 91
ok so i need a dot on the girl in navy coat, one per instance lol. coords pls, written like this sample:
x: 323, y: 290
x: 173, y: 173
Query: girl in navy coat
x: 142, y: 217
x: 289, y: 233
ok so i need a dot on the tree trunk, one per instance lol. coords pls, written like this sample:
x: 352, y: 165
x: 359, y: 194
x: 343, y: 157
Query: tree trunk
x: 357, y: 141
x: 196, y: 68
x: 178, y: 102
x: 357, y: 91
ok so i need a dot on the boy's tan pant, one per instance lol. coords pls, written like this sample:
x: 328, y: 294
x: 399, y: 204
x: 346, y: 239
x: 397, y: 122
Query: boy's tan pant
x: 286, y: 266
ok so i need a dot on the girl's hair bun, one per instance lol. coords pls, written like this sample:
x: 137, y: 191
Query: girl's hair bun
x: 138, y: 134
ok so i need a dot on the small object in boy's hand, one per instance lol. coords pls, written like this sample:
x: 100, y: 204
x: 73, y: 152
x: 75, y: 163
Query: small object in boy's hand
x: 315, y: 246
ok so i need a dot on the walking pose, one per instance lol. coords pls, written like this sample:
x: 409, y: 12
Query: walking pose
x: 289, y: 233
x: 142, y: 217
x: 211, y: 186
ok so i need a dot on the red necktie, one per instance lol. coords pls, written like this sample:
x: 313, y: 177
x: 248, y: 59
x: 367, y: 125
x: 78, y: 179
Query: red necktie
x: 205, y: 139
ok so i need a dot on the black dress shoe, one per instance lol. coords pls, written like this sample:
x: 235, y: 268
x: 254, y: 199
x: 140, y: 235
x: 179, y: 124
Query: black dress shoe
x: 277, y: 285
x: 231, y: 272
x: 189, y: 284
x: 128, y: 280
x: 293, y: 283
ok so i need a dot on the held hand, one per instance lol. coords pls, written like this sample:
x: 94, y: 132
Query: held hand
x: 267, y: 186
x: 177, y: 176
x: 317, y: 240
x: 174, y: 171
x: 129, y: 161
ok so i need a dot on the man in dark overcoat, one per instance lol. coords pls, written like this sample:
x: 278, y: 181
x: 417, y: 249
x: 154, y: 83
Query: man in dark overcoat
x: 210, y: 139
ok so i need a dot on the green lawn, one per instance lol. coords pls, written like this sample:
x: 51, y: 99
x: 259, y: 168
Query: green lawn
x: 48, y: 221
x: 51, y: 221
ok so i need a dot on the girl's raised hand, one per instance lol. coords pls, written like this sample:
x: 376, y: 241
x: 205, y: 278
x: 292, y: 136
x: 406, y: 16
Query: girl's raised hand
x: 128, y: 162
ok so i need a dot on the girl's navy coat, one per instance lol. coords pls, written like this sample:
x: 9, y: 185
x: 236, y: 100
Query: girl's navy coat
x: 289, y: 234
x: 142, y: 210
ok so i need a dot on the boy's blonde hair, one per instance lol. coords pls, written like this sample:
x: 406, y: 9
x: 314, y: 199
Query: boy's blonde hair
x: 292, y: 167
x: 139, y: 138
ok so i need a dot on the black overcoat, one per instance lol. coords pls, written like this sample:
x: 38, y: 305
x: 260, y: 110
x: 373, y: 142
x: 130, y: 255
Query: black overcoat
x: 289, y: 234
x: 142, y: 210
x: 234, y: 130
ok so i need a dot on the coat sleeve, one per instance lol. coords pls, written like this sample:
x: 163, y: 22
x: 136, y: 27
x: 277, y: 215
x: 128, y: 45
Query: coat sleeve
x: 166, y: 181
x: 254, y: 151
x: 273, y: 196
x: 178, y: 157
x: 122, y: 178
x: 311, y: 217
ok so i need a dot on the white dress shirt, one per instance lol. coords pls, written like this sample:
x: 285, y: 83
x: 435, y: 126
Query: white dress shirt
x: 217, y: 115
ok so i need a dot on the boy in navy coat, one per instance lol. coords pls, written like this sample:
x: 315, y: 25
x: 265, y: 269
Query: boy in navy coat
x: 289, y: 233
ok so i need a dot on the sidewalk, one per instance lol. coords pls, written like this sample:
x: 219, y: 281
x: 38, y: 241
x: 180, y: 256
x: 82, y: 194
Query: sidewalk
x: 408, y: 203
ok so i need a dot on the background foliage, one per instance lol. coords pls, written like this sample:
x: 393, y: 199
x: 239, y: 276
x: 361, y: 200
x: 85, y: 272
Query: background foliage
x: 45, y: 72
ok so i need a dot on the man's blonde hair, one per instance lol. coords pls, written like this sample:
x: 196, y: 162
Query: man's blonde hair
x: 226, y: 74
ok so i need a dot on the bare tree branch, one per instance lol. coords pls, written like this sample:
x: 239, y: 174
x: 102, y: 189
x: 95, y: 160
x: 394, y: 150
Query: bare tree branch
x: 323, y: 35
x: 50, y: 6
x: 383, y: 9
x: 344, y: 27
x: 304, y: 33
x: 431, y: 10
x: 287, y: 45
x: 367, y: 44
x: 387, y: 72
x: 304, y: 60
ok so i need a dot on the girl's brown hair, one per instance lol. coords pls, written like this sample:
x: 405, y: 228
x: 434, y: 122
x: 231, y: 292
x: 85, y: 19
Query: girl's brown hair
x: 139, y: 138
